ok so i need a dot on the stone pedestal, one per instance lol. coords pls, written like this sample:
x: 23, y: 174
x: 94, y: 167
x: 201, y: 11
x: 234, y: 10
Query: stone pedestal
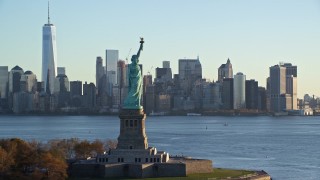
x: 132, y: 129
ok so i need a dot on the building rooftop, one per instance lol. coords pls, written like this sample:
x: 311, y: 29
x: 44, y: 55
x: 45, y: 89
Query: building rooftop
x: 17, y: 68
x: 28, y: 72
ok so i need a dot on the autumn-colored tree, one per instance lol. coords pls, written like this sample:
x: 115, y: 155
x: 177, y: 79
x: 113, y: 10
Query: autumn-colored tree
x: 83, y: 149
x: 6, y: 161
x: 53, y: 167
x: 97, y: 147
x: 63, y: 148
x: 28, y: 160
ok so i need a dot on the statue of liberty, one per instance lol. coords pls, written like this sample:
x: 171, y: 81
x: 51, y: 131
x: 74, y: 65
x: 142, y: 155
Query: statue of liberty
x: 133, y: 98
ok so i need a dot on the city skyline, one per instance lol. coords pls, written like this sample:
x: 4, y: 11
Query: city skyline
x: 253, y: 35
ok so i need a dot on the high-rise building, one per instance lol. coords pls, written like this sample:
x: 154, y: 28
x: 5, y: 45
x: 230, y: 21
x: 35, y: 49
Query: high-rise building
x: 49, y: 55
x: 61, y: 70
x: 4, y: 82
x: 283, y: 87
x: 190, y: 67
x: 62, y: 84
x: 89, y: 95
x: 290, y: 69
x: 252, y: 94
x: 14, y: 79
x: 76, y: 93
x: 31, y: 81
x: 112, y: 57
x: 291, y: 88
x: 225, y: 71
x: 100, y: 71
x: 291, y: 83
x: 166, y: 64
x: 262, y: 99
x: 239, y: 91
x: 75, y: 88
x: 190, y: 70
x: 122, y: 76
x: 148, y: 95
x: 163, y: 75
x: 227, y: 93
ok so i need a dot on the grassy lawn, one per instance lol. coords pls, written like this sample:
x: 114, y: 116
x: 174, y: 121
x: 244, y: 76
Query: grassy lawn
x: 216, y: 174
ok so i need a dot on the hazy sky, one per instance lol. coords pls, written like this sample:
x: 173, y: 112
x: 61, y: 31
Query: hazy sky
x: 254, y: 34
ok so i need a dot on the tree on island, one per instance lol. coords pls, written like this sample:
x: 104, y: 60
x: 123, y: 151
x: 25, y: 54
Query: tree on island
x: 34, y: 160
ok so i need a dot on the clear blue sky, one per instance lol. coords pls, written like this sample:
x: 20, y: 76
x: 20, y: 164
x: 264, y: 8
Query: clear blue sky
x: 254, y: 34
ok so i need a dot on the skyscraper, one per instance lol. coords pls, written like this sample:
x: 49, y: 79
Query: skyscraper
x: 4, y: 79
x: 291, y: 83
x: 225, y: 71
x: 277, y: 86
x: 100, y: 71
x: 31, y: 81
x: 14, y: 79
x: 112, y: 57
x: 227, y: 93
x: 49, y: 55
x: 75, y: 88
x: 61, y: 70
x: 252, y: 94
x: 166, y: 64
x: 190, y: 70
x: 239, y: 91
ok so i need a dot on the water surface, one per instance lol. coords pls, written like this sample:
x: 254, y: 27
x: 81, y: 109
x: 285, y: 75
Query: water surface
x: 285, y: 147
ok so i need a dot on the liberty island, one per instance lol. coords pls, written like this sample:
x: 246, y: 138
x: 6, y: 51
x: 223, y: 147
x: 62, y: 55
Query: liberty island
x: 133, y: 157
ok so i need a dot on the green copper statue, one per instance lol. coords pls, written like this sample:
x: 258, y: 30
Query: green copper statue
x: 135, y: 82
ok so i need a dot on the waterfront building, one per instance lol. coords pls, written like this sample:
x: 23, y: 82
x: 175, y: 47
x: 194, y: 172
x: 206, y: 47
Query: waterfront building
x: 286, y: 102
x: 217, y: 95
x: 252, y: 94
x: 61, y: 70
x: 277, y: 86
x: 225, y: 71
x: 89, y: 95
x: 149, y: 99
x: 49, y: 56
x: 62, y: 83
x: 283, y: 81
x: 122, y: 76
x: 163, y: 103
x: 262, y: 99
x: 14, y: 79
x: 30, y: 80
x: 291, y: 83
x: 112, y: 57
x: 75, y: 88
x: 190, y: 70
x: 4, y: 82
x: 100, y: 72
x: 291, y: 88
x: 115, y: 98
x: 227, y: 94
x: 207, y: 95
x: 239, y: 91
x: 268, y: 95
x: 163, y: 75
x: 148, y: 93
x: 76, y: 93
x: 166, y: 64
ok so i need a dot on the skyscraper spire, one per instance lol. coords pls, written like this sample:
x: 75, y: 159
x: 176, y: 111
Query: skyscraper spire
x: 48, y: 12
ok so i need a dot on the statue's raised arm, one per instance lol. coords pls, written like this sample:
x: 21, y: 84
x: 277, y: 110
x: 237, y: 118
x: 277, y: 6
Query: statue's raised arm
x: 141, y: 47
